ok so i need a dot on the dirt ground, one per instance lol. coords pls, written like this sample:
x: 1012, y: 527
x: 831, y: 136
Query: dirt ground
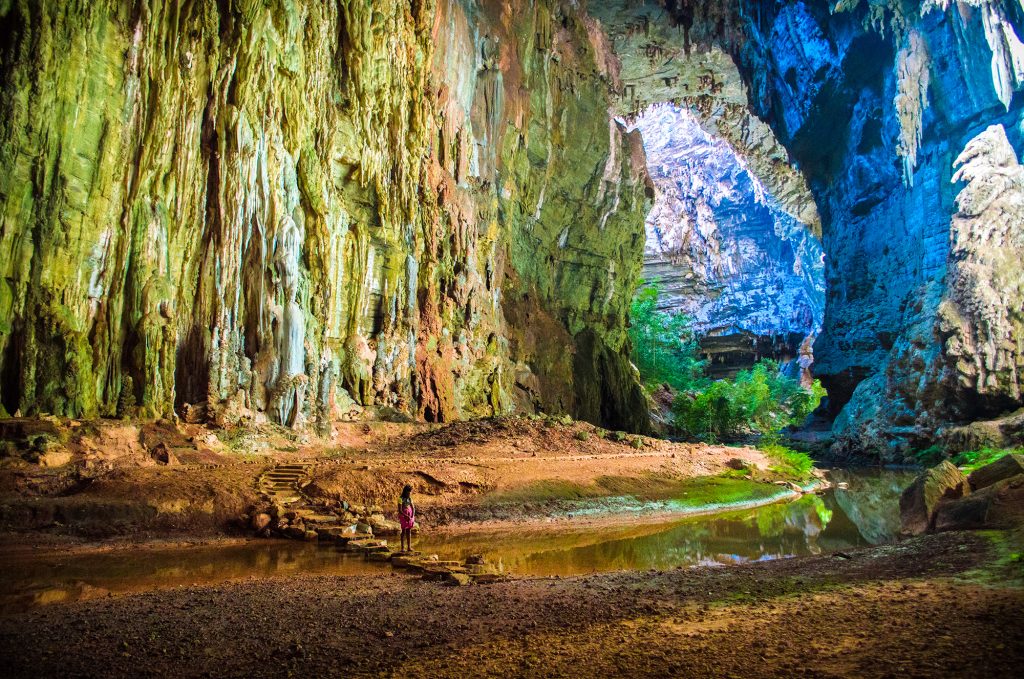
x: 943, y: 605
x: 86, y: 481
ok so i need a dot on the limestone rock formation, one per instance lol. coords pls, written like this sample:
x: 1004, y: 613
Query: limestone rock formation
x: 920, y: 502
x: 906, y: 350
x: 297, y: 209
x: 724, y: 251
x: 872, y: 102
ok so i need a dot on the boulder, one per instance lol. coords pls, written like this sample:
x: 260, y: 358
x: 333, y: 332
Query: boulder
x: 1000, y: 505
x: 1005, y: 467
x: 55, y: 457
x: 409, y: 563
x: 260, y: 521
x: 383, y: 526
x: 919, y: 501
x: 475, y: 559
x: 481, y: 569
x: 162, y: 454
x: 295, y: 532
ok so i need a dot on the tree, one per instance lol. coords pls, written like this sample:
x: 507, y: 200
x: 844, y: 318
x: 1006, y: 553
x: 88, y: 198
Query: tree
x: 665, y: 349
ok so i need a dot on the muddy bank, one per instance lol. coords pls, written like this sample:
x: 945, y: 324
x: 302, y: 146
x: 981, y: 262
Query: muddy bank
x: 100, y: 480
x: 941, y: 605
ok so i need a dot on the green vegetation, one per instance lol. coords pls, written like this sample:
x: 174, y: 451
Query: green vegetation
x: 787, y: 461
x: 930, y: 456
x: 968, y: 460
x: 757, y: 401
x: 707, y: 492
x: 665, y: 349
x: 973, y: 459
x: 700, y: 493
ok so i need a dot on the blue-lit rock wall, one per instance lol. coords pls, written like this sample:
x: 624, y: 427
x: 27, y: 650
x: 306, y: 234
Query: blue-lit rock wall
x: 875, y: 104
x: 722, y: 249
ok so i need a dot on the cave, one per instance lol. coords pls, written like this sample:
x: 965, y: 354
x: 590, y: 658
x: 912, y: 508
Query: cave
x: 725, y: 252
x: 273, y: 268
x: 303, y: 237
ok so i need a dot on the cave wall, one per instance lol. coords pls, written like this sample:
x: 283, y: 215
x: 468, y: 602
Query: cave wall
x: 901, y: 114
x: 724, y: 251
x: 872, y: 105
x: 297, y: 210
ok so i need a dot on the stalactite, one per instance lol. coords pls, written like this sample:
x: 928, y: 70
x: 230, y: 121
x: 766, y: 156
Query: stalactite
x: 913, y: 65
x: 248, y: 208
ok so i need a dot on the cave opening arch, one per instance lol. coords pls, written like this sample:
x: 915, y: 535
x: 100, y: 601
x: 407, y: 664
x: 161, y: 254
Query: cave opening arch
x: 874, y: 109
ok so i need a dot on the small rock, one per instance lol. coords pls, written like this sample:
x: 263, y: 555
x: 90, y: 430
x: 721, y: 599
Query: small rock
x: 488, y: 578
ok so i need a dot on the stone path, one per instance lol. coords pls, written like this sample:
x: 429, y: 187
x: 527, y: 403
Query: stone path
x: 281, y: 483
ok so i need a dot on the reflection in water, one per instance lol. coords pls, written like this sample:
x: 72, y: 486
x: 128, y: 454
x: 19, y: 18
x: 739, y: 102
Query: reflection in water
x: 867, y: 498
x: 865, y: 512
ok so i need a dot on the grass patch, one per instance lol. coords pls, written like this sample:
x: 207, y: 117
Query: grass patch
x: 1005, y: 566
x: 703, y: 492
x: 719, y: 491
x: 788, y: 462
x: 974, y: 459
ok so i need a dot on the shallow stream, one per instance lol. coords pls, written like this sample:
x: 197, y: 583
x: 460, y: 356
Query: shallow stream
x: 861, y: 510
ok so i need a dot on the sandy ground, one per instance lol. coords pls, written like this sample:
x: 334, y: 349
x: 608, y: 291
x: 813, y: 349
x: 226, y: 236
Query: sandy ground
x: 944, y: 605
x: 110, y: 487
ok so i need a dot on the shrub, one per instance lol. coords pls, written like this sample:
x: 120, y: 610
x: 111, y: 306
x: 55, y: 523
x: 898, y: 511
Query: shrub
x: 665, y: 349
x: 582, y: 435
x: 788, y: 461
x: 759, y: 400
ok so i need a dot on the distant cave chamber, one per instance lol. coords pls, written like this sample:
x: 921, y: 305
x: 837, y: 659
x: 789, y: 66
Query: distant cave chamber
x: 725, y: 252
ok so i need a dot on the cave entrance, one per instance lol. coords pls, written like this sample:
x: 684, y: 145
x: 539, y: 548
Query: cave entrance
x: 726, y: 252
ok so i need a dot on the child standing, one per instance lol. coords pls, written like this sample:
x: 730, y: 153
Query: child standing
x: 406, y: 517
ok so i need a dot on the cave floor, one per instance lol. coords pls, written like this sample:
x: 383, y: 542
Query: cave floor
x: 109, y: 490
x: 941, y: 605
